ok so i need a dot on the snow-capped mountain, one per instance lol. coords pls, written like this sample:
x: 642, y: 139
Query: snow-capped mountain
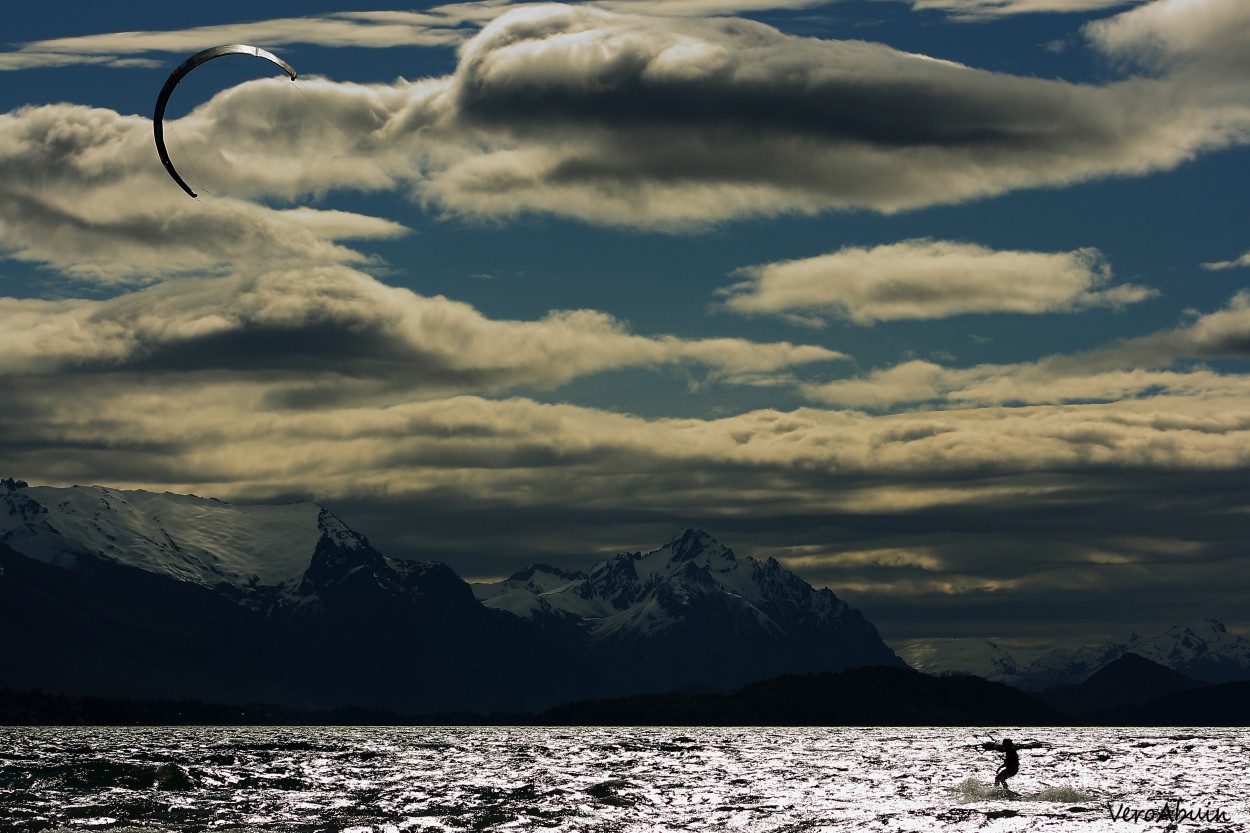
x: 1203, y: 650
x: 139, y: 594
x: 1069, y: 666
x: 133, y: 593
x: 983, y: 658
x: 693, y: 614
x: 199, y: 540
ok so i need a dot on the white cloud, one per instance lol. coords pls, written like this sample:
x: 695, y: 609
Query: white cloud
x: 42, y: 60
x: 446, y: 25
x: 342, y: 329
x: 662, y: 123
x: 980, y: 9
x: 1045, y: 382
x: 1132, y: 369
x: 82, y: 192
x: 257, y: 386
x: 229, y: 438
x: 702, y: 8
x: 668, y: 124
x: 927, y: 279
x: 1244, y: 260
x: 440, y: 26
x: 1191, y: 34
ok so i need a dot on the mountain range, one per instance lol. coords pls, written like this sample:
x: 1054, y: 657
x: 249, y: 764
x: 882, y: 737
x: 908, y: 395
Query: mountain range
x: 132, y: 594
x: 1204, y: 650
x: 692, y: 613
x: 125, y: 593
x: 1128, y: 681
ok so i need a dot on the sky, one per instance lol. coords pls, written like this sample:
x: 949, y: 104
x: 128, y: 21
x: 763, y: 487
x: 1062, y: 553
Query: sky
x: 944, y: 304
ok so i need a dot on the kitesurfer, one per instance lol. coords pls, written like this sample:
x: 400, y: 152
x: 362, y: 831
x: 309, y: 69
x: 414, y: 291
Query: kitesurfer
x: 1010, y: 765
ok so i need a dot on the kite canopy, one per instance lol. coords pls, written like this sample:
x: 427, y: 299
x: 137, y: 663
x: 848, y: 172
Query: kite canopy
x: 158, y: 117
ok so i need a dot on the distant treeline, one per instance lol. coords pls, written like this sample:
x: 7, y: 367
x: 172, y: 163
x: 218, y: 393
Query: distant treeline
x: 857, y: 697
x: 878, y: 696
x: 38, y: 708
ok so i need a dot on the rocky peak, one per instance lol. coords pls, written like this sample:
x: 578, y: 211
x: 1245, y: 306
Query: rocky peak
x: 690, y: 544
x: 339, y: 553
x: 542, y: 573
x: 338, y: 533
x: 615, y: 580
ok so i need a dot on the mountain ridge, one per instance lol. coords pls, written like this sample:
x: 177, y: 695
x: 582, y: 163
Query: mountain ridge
x: 344, y: 625
x: 693, y: 607
x: 1128, y: 681
x: 1204, y: 650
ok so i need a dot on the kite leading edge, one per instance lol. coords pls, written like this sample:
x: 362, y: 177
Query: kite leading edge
x: 158, y: 117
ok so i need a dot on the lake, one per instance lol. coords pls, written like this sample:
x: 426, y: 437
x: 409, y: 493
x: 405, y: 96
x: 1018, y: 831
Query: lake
x: 385, y: 780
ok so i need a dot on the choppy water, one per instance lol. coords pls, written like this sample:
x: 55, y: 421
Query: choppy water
x: 379, y: 780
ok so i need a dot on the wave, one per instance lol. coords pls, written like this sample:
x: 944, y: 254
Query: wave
x: 972, y: 789
x: 99, y: 773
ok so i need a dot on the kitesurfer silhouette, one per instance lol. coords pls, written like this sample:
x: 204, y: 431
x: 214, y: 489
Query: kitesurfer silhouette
x: 1010, y: 765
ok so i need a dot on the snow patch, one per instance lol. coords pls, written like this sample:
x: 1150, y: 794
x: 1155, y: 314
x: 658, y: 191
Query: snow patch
x: 189, y: 538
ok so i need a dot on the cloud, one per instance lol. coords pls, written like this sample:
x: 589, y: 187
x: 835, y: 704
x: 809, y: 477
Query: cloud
x: 1206, y: 36
x: 927, y: 279
x: 983, y: 9
x: 995, y: 504
x: 670, y: 124
x: 1047, y: 381
x: 439, y: 26
x: 324, y: 383
x: 1244, y: 260
x: 82, y: 192
x: 43, y: 60
x: 703, y: 8
x: 345, y: 334
x: 881, y: 459
x: 1138, y: 368
x: 446, y: 25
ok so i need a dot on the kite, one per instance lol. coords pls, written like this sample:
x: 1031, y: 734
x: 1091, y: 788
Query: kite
x: 158, y: 117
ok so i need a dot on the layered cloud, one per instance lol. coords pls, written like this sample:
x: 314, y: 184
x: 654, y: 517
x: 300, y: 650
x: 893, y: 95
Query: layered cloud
x: 703, y: 8
x: 82, y: 192
x: 808, y: 460
x: 662, y: 123
x: 981, y: 9
x: 327, y: 384
x: 439, y: 26
x: 927, y: 279
x: 962, y: 507
x: 323, y: 335
x: 1135, y: 368
x: 446, y: 25
x: 635, y: 121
